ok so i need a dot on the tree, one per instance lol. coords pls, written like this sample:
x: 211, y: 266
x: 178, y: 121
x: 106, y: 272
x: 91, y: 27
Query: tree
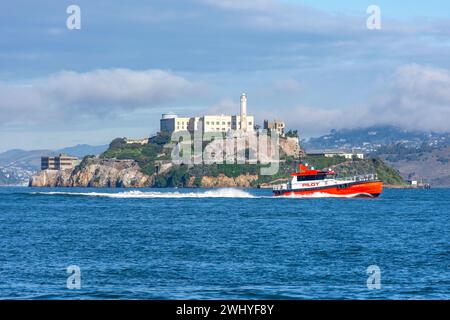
x: 292, y: 134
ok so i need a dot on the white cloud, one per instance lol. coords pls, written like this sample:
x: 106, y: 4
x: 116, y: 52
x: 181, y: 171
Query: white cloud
x: 70, y: 95
x: 313, y: 121
x: 418, y: 97
x: 414, y: 97
x: 288, y: 86
x: 225, y: 106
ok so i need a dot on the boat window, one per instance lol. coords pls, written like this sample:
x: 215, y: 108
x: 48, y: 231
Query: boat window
x: 311, y: 177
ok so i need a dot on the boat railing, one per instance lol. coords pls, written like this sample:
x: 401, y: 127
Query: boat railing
x: 280, y: 187
x: 357, y: 178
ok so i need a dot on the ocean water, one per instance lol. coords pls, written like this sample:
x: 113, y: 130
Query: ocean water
x: 222, y: 244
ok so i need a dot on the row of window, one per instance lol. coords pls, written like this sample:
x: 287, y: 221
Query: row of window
x: 212, y: 129
x: 218, y: 123
x: 223, y: 123
x: 185, y: 125
x: 210, y: 123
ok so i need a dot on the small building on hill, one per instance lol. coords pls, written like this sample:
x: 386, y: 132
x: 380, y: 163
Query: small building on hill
x: 60, y: 162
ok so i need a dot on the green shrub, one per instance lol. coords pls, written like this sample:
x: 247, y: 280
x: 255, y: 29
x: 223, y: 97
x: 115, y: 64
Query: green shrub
x: 160, y: 182
x: 197, y: 182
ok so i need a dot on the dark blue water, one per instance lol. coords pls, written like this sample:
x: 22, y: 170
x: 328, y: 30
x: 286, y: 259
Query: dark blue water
x: 176, y: 244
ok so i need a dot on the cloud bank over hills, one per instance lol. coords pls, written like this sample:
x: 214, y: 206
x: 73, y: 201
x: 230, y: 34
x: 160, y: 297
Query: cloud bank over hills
x: 414, y: 97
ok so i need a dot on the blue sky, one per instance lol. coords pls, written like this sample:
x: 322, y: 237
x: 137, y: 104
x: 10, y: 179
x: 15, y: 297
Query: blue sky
x: 313, y: 64
x: 400, y: 9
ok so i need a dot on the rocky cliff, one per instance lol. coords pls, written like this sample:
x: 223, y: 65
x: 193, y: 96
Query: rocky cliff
x: 222, y: 181
x: 290, y: 146
x: 95, y: 172
x: 111, y: 173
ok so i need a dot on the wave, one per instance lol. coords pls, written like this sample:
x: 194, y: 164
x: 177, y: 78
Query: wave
x: 219, y: 193
x: 317, y: 195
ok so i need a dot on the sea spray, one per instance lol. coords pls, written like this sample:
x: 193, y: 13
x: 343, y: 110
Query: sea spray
x: 219, y: 193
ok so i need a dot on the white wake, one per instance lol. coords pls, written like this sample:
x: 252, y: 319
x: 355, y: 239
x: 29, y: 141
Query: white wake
x: 317, y: 195
x: 219, y: 193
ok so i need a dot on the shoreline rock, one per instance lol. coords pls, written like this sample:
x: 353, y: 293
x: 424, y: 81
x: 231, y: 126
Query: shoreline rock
x: 97, y: 173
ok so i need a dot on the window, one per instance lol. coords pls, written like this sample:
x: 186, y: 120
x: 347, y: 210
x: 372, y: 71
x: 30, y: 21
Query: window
x: 207, y: 122
x: 311, y: 177
x: 217, y: 122
x: 223, y: 123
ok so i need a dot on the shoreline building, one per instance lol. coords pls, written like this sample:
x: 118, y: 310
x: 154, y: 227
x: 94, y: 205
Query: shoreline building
x: 60, y: 162
x: 170, y: 122
x: 347, y: 154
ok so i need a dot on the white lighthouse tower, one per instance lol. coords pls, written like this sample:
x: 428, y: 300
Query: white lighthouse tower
x: 243, y: 112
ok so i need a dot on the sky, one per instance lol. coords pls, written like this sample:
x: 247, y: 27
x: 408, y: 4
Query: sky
x: 313, y: 64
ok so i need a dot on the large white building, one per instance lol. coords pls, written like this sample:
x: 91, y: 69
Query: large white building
x: 170, y: 122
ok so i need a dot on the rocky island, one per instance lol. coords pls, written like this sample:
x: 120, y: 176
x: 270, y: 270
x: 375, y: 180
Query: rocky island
x: 138, y: 165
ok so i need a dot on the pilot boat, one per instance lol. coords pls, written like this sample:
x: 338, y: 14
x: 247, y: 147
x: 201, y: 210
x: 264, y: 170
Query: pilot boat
x: 308, y: 182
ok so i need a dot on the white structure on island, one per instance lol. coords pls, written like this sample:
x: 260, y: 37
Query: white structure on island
x: 243, y: 118
x: 170, y: 122
x: 339, y: 153
x: 142, y: 141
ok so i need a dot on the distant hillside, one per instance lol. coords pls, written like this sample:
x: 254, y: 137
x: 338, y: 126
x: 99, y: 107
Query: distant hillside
x: 17, y: 166
x: 32, y: 159
x: 423, y: 156
x: 430, y: 166
x: 371, y: 139
x: 81, y: 150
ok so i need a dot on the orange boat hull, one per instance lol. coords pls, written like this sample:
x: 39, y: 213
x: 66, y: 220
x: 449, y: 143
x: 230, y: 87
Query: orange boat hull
x: 357, y: 189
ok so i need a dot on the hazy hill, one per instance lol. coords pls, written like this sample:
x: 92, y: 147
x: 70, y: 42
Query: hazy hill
x: 370, y: 139
x: 22, y: 158
x: 32, y: 159
x: 17, y: 166
x: 416, y: 155
x: 81, y: 150
x: 429, y: 165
